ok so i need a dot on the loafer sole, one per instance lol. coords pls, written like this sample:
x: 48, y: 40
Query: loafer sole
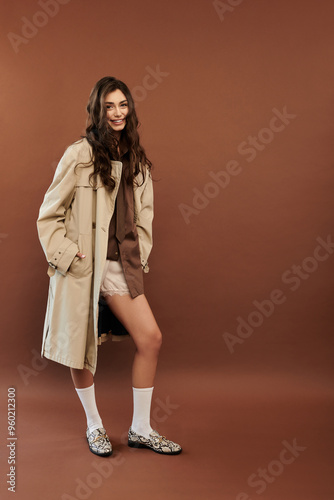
x: 133, y: 444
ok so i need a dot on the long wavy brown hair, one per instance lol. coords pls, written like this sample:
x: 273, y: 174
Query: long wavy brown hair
x: 105, y: 146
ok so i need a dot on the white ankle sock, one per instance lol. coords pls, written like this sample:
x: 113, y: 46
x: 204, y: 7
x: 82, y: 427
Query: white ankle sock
x: 141, y: 411
x: 87, y: 398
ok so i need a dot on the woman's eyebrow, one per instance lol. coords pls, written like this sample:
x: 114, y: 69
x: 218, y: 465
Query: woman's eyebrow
x: 121, y: 102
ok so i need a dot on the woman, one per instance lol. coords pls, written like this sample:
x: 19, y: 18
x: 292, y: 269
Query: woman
x: 95, y: 227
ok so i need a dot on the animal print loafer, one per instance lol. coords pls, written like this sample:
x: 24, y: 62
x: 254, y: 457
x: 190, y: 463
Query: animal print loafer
x: 157, y: 443
x: 99, y: 443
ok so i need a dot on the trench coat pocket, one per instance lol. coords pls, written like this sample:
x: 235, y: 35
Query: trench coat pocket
x: 81, y: 267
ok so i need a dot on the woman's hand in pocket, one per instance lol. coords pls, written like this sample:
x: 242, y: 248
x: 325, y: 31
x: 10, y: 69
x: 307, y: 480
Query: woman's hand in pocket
x: 77, y: 268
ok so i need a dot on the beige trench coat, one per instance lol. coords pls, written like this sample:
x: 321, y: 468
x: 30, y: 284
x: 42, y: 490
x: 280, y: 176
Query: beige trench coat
x: 75, y: 216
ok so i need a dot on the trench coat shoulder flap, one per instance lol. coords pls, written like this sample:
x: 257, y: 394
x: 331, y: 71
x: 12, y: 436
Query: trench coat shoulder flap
x: 142, y: 186
x: 84, y: 165
x: 79, y: 158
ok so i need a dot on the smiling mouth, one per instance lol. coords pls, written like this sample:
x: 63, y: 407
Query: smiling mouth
x: 117, y: 122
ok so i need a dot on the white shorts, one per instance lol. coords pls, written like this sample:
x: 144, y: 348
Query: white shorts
x: 113, y: 279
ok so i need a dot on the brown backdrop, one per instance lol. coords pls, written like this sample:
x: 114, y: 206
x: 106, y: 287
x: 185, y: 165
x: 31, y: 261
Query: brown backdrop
x: 236, y: 102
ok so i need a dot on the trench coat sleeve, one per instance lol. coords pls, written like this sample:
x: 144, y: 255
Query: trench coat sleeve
x: 144, y: 222
x: 59, y: 250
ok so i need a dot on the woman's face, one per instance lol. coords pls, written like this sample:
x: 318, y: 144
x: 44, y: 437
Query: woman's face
x: 117, y: 109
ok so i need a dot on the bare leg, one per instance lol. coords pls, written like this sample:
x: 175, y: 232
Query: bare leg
x: 137, y: 317
x: 81, y: 378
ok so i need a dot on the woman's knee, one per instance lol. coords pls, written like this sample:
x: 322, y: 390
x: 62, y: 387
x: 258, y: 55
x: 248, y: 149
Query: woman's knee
x: 150, y: 340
